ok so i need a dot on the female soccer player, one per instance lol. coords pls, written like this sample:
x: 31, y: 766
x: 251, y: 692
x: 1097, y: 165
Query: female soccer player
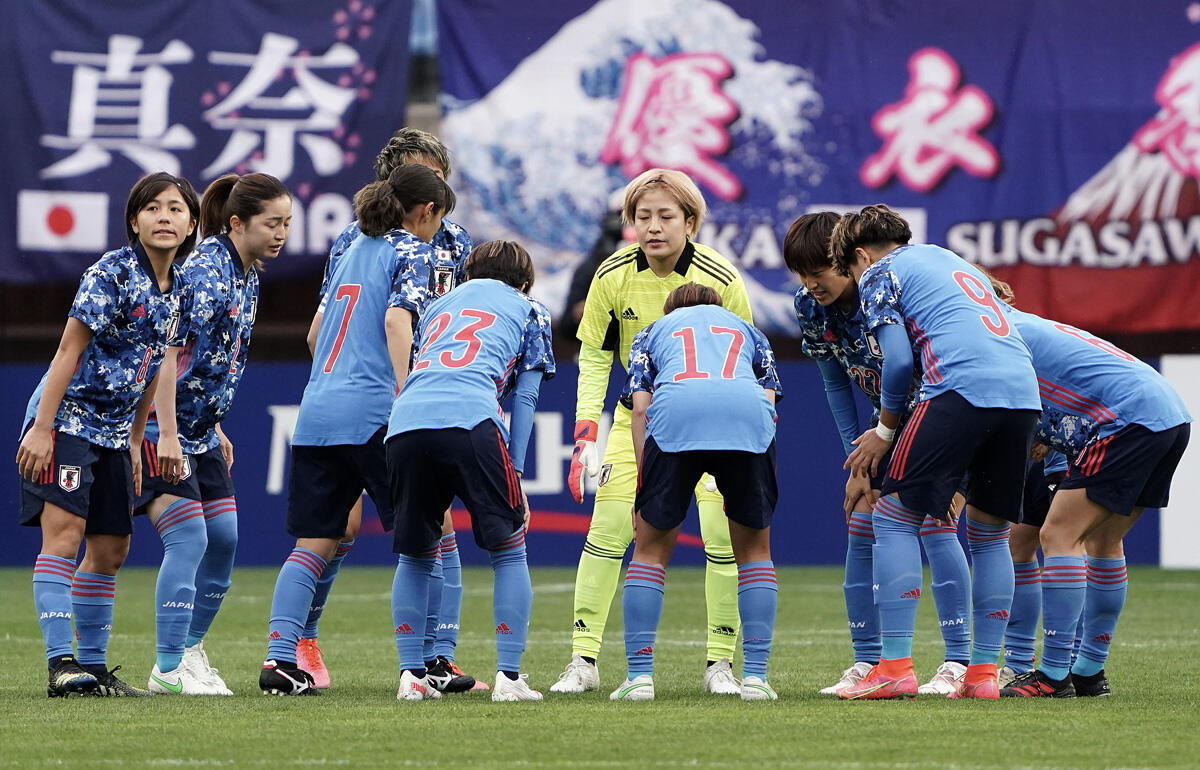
x: 376, y: 292
x: 1124, y: 430
x: 703, y: 386
x: 834, y: 335
x: 78, y: 473
x: 627, y: 293
x: 451, y: 245
x: 187, y: 488
x: 967, y: 419
x: 480, y: 343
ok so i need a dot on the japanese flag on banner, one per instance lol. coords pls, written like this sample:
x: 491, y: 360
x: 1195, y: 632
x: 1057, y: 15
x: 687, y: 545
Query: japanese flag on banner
x: 52, y: 220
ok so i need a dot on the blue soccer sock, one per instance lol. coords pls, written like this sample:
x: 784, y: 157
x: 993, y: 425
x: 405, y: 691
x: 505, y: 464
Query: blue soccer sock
x: 410, y: 607
x: 215, y: 573
x: 641, y: 603
x: 859, y: 592
x: 512, y: 601
x: 184, y: 538
x: 1104, y: 599
x: 311, y: 629
x: 92, y: 598
x: 950, y: 581
x: 289, y: 606
x: 452, y: 594
x: 52, y: 576
x: 897, y: 573
x: 991, y: 588
x: 758, y: 594
x: 1064, y: 587
x: 433, y: 610
x: 1021, y: 634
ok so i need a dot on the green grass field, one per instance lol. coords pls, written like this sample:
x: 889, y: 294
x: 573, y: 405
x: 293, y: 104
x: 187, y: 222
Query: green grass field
x: 1151, y: 720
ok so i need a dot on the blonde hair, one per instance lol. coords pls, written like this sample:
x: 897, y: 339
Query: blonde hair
x: 872, y: 226
x: 676, y: 184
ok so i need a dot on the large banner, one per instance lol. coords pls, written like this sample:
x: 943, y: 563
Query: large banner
x: 101, y: 93
x: 808, y: 528
x: 1055, y: 143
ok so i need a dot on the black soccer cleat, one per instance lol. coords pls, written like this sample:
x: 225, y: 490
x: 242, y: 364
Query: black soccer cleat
x: 1035, y: 684
x: 109, y: 686
x: 282, y: 678
x: 1094, y: 686
x: 67, y: 677
x: 442, y: 675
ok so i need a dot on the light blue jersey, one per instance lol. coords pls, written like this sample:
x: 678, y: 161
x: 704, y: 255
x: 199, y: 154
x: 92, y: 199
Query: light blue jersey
x: 352, y: 384
x: 958, y: 331
x: 474, y: 342
x: 1090, y: 388
x: 707, y: 370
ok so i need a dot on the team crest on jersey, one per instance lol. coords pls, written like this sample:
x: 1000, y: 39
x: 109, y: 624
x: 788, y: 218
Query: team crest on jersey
x: 443, y: 276
x: 253, y: 310
x: 68, y: 477
x: 873, y: 345
x: 185, y: 469
x: 605, y: 472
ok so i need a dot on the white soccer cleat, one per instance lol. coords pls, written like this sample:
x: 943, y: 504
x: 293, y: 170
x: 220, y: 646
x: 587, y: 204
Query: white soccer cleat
x: 509, y: 691
x: 416, y: 688
x: 1005, y: 676
x: 756, y: 688
x: 641, y: 687
x: 719, y: 679
x: 850, y: 677
x: 181, y: 681
x: 945, y: 680
x: 578, y: 676
x: 195, y: 659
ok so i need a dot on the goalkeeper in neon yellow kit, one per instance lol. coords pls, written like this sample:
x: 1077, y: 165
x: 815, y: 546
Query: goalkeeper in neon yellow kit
x: 626, y: 295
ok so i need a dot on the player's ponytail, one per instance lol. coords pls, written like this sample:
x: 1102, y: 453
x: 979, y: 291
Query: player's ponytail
x: 873, y: 226
x: 382, y: 206
x: 241, y: 196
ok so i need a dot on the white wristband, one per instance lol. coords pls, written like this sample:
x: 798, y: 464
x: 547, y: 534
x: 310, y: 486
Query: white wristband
x: 885, y: 433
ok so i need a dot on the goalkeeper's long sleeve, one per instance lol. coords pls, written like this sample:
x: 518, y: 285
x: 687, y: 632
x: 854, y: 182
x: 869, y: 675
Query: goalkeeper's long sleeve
x: 595, y: 364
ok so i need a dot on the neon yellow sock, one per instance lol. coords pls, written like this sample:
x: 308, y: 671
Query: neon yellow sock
x: 599, y: 571
x: 720, y: 581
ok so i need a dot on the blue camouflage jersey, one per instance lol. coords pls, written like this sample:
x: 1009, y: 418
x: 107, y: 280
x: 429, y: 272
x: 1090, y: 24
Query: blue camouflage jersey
x: 451, y: 245
x: 707, y: 370
x: 1090, y: 388
x: 352, y: 383
x: 218, y: 304
x: 959, y: 334
x: 131, y: 322
x: 831, y: 334
x: 475, y: 341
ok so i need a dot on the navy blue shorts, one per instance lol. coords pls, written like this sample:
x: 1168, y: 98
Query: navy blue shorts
x: 1039, y: 492
x: 205, y: 477
x: 946, y: 438
x: 667, y: 482
x: 327, y: 481
x: 90, y: 481
x: 1129, y: 469
x: 429, y: 468
x: 881, y: 471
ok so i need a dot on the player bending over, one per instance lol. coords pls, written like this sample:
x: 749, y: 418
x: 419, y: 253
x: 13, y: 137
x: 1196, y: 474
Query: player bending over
x: 447, y: 439
x: 703, y: 388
